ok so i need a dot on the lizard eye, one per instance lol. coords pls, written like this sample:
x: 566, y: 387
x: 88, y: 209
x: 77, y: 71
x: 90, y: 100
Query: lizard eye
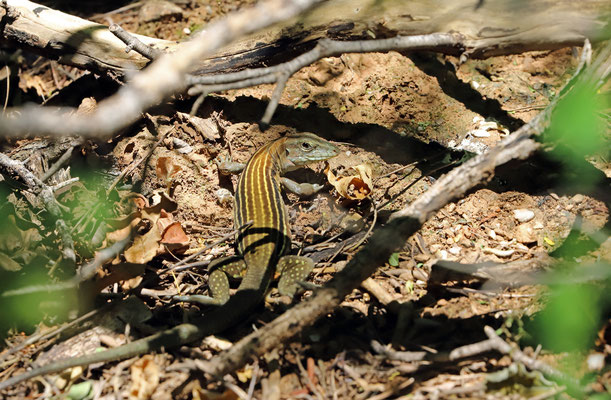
x: 306, y: 146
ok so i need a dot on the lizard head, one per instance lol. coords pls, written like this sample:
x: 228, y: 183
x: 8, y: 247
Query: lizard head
x: 306, y: 148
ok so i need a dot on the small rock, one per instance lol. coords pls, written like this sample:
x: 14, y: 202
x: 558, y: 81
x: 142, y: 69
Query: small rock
x: 492, y: 234
x: 596, y: 361
x: 538, y: 225
x: 578, y: 198
x: 481, y: 133
x: 525, y: 233
x: 455, y: 250
x: 442, y: 254
x: 523, y: 214
x: 474, y: 85
x: 159, y: 9
x: 181, y: 146
x: 489, y: 125
x: 224, y: 196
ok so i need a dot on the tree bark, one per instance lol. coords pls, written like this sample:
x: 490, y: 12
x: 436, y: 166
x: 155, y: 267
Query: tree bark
x: 491, y: 28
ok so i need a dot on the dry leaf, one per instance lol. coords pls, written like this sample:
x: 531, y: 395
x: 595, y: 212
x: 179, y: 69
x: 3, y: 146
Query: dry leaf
x: 129, y: 274
x: 145, y: 378
x: 166, y: 168
x: 175, y: 235
x: 353, y: 187
x: 87, y: 106
x: 140, y: 201
x: 244, y: 375
x: 208, y: 127
x: 145, y: 247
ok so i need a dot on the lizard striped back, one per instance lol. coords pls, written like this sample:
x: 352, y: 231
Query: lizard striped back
x: 259, y: 199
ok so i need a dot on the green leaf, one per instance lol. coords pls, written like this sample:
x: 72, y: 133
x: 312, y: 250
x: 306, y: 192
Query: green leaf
x: 394, y: 259
x: 81, y: 391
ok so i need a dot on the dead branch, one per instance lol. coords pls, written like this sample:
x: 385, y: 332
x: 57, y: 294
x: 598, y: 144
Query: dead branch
x: 279, y: 74
x: 492, y: 28
x: 79, y: 42
x: 494, y: 342
x: 69, y: 39
x: 164, y: 77
x: 133, y: 43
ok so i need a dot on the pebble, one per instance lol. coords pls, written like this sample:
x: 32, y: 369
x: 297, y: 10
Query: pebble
x: 523, y: 214
x: 525, y: 233
x: 498, y: 252
x: 596, y: 361
x: 578, y: 198
x: 442, y: 255
x: 489, y: 125
x: 159, y: 9
x: 224, y: 196
x: 455, y: 250
x: 481, y: 133
x: 181, y: 146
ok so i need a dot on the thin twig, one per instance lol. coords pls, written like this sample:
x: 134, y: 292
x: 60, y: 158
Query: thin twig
x: 182, y: 264
x: 57, y: 165
x: 44, y: 336
x: 133, y: 43
x: 279, y: 74
x: 253, y: 381
x: 8, y: 87
x: 67, y: 182
x: 137, y: 163
x: 517, y: 355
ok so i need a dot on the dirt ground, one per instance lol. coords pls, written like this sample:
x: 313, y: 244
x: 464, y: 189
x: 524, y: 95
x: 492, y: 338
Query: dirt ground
x: 409, y: 118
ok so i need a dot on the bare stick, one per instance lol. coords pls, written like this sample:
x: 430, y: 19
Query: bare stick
x: 133, y: 43
x: 56, y: 331
x: 57, y: 165
x: 517, y: 355
x: 325, y: 48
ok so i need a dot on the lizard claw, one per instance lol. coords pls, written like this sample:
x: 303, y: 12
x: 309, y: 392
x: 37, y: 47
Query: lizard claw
x: 226, y: 166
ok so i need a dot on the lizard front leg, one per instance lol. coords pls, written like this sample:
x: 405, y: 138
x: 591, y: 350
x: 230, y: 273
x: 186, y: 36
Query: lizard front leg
x: 301, y: 189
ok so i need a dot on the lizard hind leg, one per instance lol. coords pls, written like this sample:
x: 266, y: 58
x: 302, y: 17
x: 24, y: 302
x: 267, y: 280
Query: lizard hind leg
x: 293, y: 269
x: 218, y: 283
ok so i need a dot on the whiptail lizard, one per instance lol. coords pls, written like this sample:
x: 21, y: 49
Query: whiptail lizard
x: 261, y: 247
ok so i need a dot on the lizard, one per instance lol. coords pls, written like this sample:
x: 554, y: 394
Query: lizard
x: 261, y: 247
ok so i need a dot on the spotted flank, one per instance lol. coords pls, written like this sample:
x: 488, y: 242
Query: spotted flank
x: 232, y: 266
x: 293, y: 269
